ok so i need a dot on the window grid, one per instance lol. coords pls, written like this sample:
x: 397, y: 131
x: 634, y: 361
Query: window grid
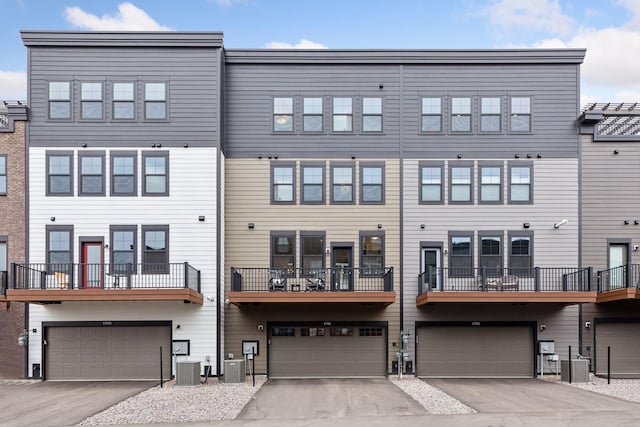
x: 490, y: 114
x: 123, y: 101
x: 520, y: 184
x: 123, y: 174
x: 123, y: 248
x: 91, y: 174
x: 91, y: 101
x: 59, y: 248
x: 521, y: 253
x: 431, y: 184
x: 155, y: 174
x: 155, y: 101
x: 461, y: 184
x: 3, y: 175
x: 283, y: 250
x: 283, y: 183
x: 60, y: 100
x: 312, y: 120
x: 490, y: 184
x: 342, y: 184
x: 460, y: 114
x: 313, y: 184
x: 372, y: 114
x: 283, y: 114
x: 491, y: 254
x: 342, y: 114
x: 155, y: 251
x: 431, y: 115
x: 371, y: 184
x: 59, y: 173
x: 520, y: 114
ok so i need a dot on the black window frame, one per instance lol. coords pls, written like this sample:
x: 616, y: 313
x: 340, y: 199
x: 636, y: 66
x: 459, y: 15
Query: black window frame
x: 66, y: 100
x: 84, y: 102
x: 274, y: 235
x: 51, y: 267
x: 484, y: 114
x: 70, y: 156
x: 164, y: 101
x: 283, y: 165
x: 377, y: 270
x: 123, y: 154
x: 430, y: 165
x: 372, y: 165
x: 335, y: 115
x: 306, y: 114
x: 483, y: 258
x: 461, y: 165
x: 343, y: 165
x: 460, y: 265
x: 490, y: 165
x: 115, y: 100
x: 303, y: 184
x: 323, y: 241
x: 519, y: 270
x: 112, y: 247
x: 513, y: 115
x: 81, y: 176
x: 379, y: 114
x: 520, y: 164
x: 159, y: 267
x: 424, y: 114
x: 455, y: 114
x: 152, y: 154
x: 4, y: 177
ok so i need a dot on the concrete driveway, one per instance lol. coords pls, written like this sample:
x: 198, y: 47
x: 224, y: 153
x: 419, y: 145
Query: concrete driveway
x: 528, y: 395
x: 61, y: 403
x: 328, y: 398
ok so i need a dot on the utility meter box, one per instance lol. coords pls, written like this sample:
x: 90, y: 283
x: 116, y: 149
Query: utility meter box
x: 546, y: 347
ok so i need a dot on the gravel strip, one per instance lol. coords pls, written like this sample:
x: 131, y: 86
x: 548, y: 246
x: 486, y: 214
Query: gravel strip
x: 214, y: 401
x: 626, y: 389
x: 434, y: 400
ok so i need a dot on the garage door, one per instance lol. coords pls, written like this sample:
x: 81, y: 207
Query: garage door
x: 475, y: 351
x: 316, y: 352
x: 624, y: 339
x: 107, y: 352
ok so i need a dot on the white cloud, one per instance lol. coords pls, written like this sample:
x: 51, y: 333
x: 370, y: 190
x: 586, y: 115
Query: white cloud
x: 13, y: 85
x: 129, y: 17
x: 302, y: 44
x: 226, y: 3
x: 539, y: 15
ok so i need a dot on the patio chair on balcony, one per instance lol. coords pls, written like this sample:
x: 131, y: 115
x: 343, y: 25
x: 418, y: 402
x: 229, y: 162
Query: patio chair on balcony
x: 510, y: 283
x: 277, y: 280
x: 317, y: 282
x: 62, y: 280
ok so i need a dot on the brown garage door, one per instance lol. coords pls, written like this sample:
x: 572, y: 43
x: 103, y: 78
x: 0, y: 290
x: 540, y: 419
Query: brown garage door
x: 624, y: 340
x: 316, y: 352
x: 107, y: 352
x: 475, y: 351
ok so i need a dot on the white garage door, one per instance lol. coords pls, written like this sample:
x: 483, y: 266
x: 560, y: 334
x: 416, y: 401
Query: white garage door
x: 107, y: 352
x: 475, y: 351
x: 624, y: 340
x: 336, y: 351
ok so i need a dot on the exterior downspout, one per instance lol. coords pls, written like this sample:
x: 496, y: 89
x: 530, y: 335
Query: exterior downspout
x: 219, y: 268
x: 579, y: 206
x: 401, y: 157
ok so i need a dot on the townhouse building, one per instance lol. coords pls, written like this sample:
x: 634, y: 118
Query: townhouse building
x: 611, y: 236
x: 13, y: 116
x: 123, y: 223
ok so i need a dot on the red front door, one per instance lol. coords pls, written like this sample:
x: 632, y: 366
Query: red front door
x: 92, y: 265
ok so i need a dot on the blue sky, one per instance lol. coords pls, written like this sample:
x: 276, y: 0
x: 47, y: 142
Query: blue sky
x: 609, y: 29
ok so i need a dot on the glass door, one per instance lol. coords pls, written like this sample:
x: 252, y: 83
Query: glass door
x: 342, y: 262
x: 431, y: 268
x: 618, y: 254
x: 92, y: 264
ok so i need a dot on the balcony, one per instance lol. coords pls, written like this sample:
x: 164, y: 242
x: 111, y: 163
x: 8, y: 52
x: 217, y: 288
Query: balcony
x: 619, y: 283
x: 298, y: 285
x: 54, y: 283
x: 516, y: 285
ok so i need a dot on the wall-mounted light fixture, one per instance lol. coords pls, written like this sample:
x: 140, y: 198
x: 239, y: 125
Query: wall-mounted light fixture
x: 626, y: 222
x: 526, y: 225
x: 201, y: 218
x: 327, y: 250
x: 543, y: 327
x: 159, y: 145
x: 636, y: 222
x: 446, y: 251
x: 84, y: 145
x: 379, y: 225
x: 251, y: 226
x: 635, y: 248
x: 561, y: 223
x: 539, y: 156
x: 422, y: 226
x: 260, y: 156
x: 517, y: 156
x: 53, y: 219
x: 381, y: 86
x: 186, y: 145
x: 529, y: 156
x: 459, y: 156
x: 587, y: 325
x: 106, y: 246
x: 616, y: 152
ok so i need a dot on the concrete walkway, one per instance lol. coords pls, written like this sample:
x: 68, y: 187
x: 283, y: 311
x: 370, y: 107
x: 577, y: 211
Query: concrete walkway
x: 61, y: 403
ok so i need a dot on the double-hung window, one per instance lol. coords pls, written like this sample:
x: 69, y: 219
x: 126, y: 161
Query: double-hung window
x: 60, y: 100
x: 460, y: 183
x: 372, y: 114
x: 431, y: 183
x: 4, y: 263
x: 123, y: 248
x: 490, y: 115
x: 460, y: 114
x: 491, y: 253
x: 155, y: 101
x: 312, y: 251
x: 520, y: 114
x: 91, y: 173
x: 431, y: 115
x: 156, y: 173
x: 283, y: 250
x: 59, y: 248
x: 124, y: 101
x: 312, y: 115
x: 283, y: 178
x: 313, y: 183
x: 3, y: 175
x: 91, y: 101
x: 59, y: 174
x: 371, y: 253
x: 371, y: 183
x: 342, y: 183
x: 283, y: 114
x: 490, y: 183
x: 123, y: 173
x: 342, y: 114
x: 521, y: 253
x: 521, y: 183
x: 155, y: 254
x: 461, y: 254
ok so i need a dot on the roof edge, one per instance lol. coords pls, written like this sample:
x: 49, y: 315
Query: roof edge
x: 123, y: 38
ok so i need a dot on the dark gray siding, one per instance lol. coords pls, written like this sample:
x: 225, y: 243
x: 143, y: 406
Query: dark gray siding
x: 192, y: 99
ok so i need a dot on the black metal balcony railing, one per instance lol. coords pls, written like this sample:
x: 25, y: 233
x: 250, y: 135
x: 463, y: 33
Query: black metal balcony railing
x: 105, y: 276
x: 536, y: 279
x: 4, y: 278
x: 624, y: 276
x: 300, y: 279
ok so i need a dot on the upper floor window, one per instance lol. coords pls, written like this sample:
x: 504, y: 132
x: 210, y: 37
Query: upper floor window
x: 312, y: 115
x: 490, y: 115
x: 371, y: 253
x: 371, y: 183
x: 520, y: 114
x: 283, y: 249
x: 461, y: 255
x: 282, y: 114
x: 91, y: 174
x: 123, y: 174
x: 91, y: 101
x: 431, y: 115
x: 59, y: 100
x: 491, y: 254
x: 312, y: 183
x: 520, y: 184
x: 431, y: 183
x: 59, y: 248
x: 460, y: 184
x: 461, y: 114
x: 283, y: 183
x: 123, y: 101
x: 155, y: 101
x: 342, y: 184
x: 123, y: 248
x: 3, y: 175
x: 3, y: 254
x: 155, y: 253
x: 312, y: 251
x: 59, y: 174
x: 490, y: 184
x: 342, y: 114
x: 372, y: 114
x: 156, y: 174
x: 521, y: 253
